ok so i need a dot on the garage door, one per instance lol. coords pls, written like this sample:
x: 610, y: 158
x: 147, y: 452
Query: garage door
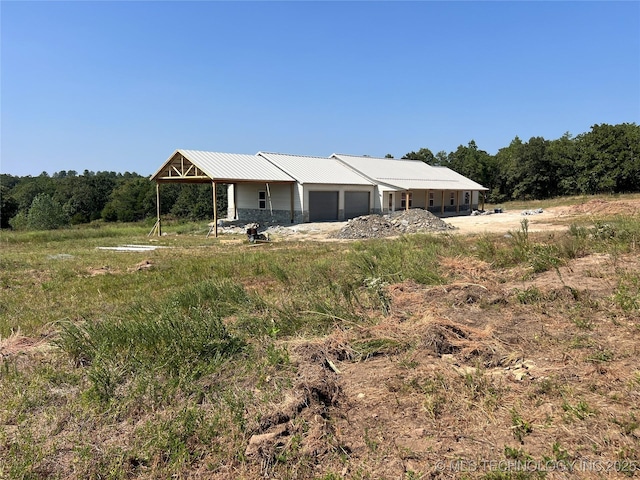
x: 323, y: 206
x: 356, y: 204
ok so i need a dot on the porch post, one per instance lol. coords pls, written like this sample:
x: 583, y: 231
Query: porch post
x: 292, y: 202
x: 159, y: 228
x: 442, y: 204
x: 215, y: 210
x: 235, y: 201
x: 457, y: 201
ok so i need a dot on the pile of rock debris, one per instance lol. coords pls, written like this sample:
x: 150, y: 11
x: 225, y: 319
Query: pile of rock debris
x: 397, y: 223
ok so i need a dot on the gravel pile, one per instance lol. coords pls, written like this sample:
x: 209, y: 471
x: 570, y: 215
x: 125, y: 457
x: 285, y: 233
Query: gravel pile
x: 397, y: 223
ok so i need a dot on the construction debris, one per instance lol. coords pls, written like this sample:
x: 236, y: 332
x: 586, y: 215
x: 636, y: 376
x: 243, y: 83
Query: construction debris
x: 132, y: 248
x: 533, y: 212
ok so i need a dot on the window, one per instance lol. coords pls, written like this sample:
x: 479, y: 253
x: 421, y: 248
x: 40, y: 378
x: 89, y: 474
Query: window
x: 452, y: 198
x: 466, y: 198
x: 391, y: 202
x: 262, y: 200
x: 431, y: 197
x: 403, y: 203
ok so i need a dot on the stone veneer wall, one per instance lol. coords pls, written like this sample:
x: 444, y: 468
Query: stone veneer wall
x: 280, y: 217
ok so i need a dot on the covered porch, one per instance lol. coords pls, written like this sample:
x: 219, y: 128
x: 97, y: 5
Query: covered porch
x: 187, y: 166
x: 438, y: 202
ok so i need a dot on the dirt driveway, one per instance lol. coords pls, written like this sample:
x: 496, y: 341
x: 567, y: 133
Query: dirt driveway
x: 552, y: 219
x: 504, y: 222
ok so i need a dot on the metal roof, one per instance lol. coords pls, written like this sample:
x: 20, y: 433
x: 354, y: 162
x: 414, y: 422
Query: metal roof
x: 320, y: 170
x: 223, y: 166
x: 408, y: 174
x: 391, y: 174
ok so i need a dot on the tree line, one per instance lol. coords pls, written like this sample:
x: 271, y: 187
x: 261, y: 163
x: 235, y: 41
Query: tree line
x: 68, y: 198
x: 604, y: 160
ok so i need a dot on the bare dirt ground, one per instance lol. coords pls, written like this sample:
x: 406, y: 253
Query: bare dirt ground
x: 504, y: 222
x: 466, y: 381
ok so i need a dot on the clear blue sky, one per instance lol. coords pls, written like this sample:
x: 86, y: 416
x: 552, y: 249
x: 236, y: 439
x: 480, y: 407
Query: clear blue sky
x: 119, y: 86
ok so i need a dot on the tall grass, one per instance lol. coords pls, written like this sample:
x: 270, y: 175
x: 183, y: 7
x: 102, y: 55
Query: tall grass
x: 77, y: 233
x: 620, y: 234
x: 183, y: 338
x: 412, y: 257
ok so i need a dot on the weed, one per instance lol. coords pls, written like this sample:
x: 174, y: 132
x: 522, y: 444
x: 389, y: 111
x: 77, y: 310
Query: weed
x: 603, y: 231
x: 277, y: 356
x: 280, y: 274
x: 560, y: 457
x: 548, y: 386
x: 377, y: 286
x: 584, y: 323
x: 574, y: 245
x: 520, y: 240
x: 371, y: 443
x: 434, y: 404
x: 530, y: 295
x: 520, y: 427
x: 516, y: 453
x: 560, y: 454
x: 578, y: 232
x: 331, y: 476
x: 582, y: 341
x: 544, y: 257
x: 601, y: 356
x: 104, y: 379
x: 377, y: 346
x: 486, y: 248
x: 627, y: 425
x: 408, y: 364
x: 580, y: 411
x: 627, y: 293
x: 175, y: 340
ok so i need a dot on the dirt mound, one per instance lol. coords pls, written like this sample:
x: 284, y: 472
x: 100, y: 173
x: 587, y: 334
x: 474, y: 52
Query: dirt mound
x: 598, y: 206
x: 379, y: 226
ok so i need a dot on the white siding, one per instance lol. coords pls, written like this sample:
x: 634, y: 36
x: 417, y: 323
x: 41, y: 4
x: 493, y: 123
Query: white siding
x: 247, y: 195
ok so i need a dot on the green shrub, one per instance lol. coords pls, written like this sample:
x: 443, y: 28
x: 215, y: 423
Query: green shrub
x: 46, y: 214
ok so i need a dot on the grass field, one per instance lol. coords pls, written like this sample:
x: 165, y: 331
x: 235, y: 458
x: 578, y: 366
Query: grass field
x: 210, y: 358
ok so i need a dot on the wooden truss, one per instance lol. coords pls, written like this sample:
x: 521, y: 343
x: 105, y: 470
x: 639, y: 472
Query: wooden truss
x: 181, y: 169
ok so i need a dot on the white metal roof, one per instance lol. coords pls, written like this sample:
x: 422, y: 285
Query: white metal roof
x: 320, y: 170
x: 408, y: 174
x: 228, y: 166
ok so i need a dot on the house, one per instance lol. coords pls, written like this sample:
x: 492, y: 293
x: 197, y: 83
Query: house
x: 281, y: 188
